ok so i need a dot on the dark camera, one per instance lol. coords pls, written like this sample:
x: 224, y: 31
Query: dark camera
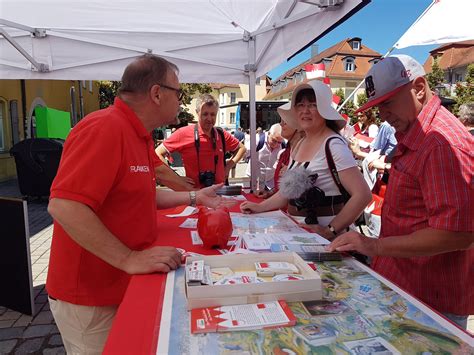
x: 207, y: 178
x: 310, y: 200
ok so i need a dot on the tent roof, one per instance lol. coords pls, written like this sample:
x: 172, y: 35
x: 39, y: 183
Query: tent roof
x: 207, y: 39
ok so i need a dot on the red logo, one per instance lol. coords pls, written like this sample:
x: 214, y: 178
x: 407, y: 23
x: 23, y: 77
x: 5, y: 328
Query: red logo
x: 406, y: 73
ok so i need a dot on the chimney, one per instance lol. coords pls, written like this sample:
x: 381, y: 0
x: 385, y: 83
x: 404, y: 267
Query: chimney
x: 314, y: 50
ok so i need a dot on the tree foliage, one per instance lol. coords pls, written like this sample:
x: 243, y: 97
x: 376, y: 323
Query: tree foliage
x: 436, y: 77
x: 108, y: 90
x: 362, y: 99
x: 349, y: 107
x: 190, y: 91
x: 465, y: 91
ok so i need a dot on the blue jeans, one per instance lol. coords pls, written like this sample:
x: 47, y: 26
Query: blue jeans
x: 461, y: 321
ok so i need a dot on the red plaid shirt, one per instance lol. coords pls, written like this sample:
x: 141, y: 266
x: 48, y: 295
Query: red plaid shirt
x: 430, y: 186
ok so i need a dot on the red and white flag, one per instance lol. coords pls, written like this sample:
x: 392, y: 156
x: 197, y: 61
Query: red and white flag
x: 314, y: 71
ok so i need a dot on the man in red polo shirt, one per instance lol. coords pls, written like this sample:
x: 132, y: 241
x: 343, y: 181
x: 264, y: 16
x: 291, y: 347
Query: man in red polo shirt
x: 201, y: 146
x: 427, y: 215
x: 103, y: 202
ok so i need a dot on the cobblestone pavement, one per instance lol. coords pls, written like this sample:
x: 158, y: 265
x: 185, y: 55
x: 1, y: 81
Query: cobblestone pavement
x: 22, y: 334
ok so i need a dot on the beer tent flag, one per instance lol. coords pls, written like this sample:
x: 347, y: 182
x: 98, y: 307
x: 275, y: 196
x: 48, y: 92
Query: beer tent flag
x: 444, y: 21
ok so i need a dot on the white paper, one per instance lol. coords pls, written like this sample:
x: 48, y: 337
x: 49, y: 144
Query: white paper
x: 241, y: 251
x: 190, y: 223
x: 251, y: 316
x: 363, y: 144
x: 267, y: 222
x: 236, y: 197
x: 373, y: 155
x: 263, y: 241
x: 196, y: 239
x: 188, y: 211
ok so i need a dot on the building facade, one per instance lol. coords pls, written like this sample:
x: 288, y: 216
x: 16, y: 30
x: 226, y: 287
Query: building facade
x: 453, y: 59
x: 18, y: 100
x: 343, y: 65
x: 229, y: 96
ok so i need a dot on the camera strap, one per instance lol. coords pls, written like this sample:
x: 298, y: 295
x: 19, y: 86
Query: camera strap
x: 197, y: 145
x: 333, y: 170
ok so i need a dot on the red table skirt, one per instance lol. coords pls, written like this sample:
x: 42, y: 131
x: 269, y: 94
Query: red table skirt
x: 136, y: 326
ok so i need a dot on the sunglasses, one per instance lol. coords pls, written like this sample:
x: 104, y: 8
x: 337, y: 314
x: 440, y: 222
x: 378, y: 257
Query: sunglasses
x: 179, y: 92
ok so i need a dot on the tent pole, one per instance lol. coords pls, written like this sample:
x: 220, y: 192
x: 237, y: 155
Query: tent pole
x: 41, y: 67
x: 251, y: 68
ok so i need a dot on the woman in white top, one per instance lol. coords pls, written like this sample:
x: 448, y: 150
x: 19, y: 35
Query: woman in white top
x: 367, y: 124
x: 308, y: 187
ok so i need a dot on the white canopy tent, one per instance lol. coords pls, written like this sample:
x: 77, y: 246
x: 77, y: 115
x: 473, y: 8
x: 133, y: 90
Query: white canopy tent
x: 226, y: 41
x: 444, y: 21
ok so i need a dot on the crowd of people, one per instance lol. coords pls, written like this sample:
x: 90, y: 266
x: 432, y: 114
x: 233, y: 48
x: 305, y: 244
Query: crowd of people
x: 104, y: 226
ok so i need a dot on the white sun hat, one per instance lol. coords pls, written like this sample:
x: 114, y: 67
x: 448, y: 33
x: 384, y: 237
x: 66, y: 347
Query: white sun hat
x: 323, y: 96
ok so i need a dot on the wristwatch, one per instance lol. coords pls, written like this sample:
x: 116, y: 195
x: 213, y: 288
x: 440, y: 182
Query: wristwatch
x: 331, y: 228
x: 192, y: 198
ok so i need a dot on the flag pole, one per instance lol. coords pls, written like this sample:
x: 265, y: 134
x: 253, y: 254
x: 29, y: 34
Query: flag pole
x: 341, y: 106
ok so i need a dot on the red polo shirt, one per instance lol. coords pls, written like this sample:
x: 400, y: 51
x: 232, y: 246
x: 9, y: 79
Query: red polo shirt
x: 430, y: 186
x: 182, y: 141
x: 107, y: 164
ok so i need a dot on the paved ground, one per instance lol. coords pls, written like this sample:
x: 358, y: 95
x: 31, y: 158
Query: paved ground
x: 21, y: 334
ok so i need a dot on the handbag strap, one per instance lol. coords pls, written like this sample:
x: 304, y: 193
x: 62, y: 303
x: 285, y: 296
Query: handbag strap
x: 333, y: 170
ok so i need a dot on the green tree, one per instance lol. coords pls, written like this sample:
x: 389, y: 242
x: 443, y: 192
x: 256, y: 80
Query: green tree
x: 190, y: 91
x: 108, y: 90
x: 465, y: 91
x: 362, y: 99
x: 349, y: 107
x: 436, y: 77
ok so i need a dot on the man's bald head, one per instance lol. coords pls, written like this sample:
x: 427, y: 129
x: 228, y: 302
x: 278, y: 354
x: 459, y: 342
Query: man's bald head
x: 144, y: 72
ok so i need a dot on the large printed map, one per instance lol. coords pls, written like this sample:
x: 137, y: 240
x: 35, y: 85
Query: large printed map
x: 358, y: 315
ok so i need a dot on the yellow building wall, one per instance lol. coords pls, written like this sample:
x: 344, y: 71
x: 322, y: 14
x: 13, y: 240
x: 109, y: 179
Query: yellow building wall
x: 52, y: 93
x: 241, y: 94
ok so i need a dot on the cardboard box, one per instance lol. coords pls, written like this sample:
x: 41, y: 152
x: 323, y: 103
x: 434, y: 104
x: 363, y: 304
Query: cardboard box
x: 51, y: 123
x: 222, y: 295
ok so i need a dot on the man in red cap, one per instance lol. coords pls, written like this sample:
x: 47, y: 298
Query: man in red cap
x: 427, y: 217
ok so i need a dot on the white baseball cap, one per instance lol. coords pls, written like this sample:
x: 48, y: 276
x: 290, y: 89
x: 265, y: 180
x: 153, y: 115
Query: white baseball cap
x: 323, y: 96
x: 388, y: 76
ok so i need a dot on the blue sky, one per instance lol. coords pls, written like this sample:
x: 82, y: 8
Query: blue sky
x: 380, y: 24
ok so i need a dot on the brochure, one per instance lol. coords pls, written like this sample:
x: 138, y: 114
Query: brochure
x: 241, y: 317
x: 307, y: 252
x: 263, y: 241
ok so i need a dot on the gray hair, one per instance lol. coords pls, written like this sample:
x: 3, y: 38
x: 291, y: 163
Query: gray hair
x: 144, y: 72
x: 466, y: 113
x: 206, y: 99
x: 275, y: 130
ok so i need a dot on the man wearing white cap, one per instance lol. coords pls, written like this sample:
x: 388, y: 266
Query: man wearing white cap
x: 427, y: 216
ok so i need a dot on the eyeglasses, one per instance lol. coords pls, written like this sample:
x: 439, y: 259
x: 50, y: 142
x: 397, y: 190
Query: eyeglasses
x: 179, y: 92
x: 302, y: 106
